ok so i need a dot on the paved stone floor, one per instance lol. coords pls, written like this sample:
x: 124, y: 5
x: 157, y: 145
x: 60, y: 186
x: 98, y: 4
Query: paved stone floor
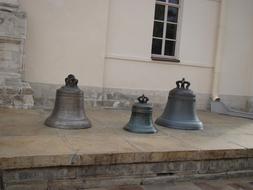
x: 26, y: 143
x: 229, y: 184
x: 23, y: 134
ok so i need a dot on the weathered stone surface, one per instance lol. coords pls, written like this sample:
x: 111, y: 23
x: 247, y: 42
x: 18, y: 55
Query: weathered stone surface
x: 172, y: 186
x: 47, y: 147
x: 123, y: 98
x: 116, y: 181
x: 13, y: 24
x: 14, y: 92
x: 31, y: 152
x: 44, y: 95
x: 27, y: 186
x: 9, y: 3
x: 250, y: 105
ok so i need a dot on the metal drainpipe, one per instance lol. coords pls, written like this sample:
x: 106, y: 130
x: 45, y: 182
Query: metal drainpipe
x: 106, y: 47
x: 219, y: 50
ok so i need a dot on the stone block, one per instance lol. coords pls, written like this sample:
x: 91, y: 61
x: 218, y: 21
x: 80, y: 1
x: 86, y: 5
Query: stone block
x: 218, y: 166
x: 9, y: 4
x: 13, y: 24
x: 128, y: 187
x: 26, y: 91
x: 12, y: 90
x: 107, y: 97
x: 191, y: 166
x: 43, y: 174
x: 249, y: 107
x: 172, y: 186
x: 28, y: 101
x: 5, y: 101
x: 12, y: 36
x: 250, y: 163
x: 94, y: 182
x: 40, y: 185
x: 2, y: 91
x: 160, y: 179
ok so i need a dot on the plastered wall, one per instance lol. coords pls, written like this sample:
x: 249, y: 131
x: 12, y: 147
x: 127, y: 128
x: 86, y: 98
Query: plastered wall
x: 237, y: 65
x: 128, y: 62
x: 107, y: 43
x: 65, y: 36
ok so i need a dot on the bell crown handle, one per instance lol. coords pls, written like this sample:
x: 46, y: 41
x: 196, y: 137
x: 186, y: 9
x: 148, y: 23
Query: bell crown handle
x: 143, y: 99
x: 183, y: 84
x: 71, y: 81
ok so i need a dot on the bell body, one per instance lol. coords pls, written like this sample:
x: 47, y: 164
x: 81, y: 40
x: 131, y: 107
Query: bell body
x: 141, y: 119
x: 180, y: 111
x: 68, y: 112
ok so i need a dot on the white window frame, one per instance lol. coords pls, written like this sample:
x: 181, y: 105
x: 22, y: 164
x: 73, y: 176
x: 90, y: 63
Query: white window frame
x: 178, y: 33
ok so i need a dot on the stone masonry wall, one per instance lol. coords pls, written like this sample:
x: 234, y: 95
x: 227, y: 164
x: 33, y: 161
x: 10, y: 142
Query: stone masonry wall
x: 14, y: 92
x: 123, y: 174
x: 44, y: 97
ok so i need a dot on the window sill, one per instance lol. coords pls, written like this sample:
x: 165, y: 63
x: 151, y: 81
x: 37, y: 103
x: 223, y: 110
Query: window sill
x: 165, y: 59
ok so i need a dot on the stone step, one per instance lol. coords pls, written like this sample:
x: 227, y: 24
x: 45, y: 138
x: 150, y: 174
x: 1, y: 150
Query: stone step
x: 33, y: 156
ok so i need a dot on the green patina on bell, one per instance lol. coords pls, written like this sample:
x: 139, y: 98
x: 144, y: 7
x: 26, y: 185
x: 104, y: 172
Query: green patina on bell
x: 141, y: 119
x: 180, y: 111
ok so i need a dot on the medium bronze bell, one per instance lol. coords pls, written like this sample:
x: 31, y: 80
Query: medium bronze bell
x: 180, y: 111
x: 68, y: 112
x: 141, y: 119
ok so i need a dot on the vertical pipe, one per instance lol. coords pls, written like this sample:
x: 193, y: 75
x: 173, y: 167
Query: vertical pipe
x: 219, y: 50
x: 106, y: 47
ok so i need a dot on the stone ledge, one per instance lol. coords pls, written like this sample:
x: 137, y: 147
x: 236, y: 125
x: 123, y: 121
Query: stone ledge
x: 23, y: 162
x: 44, y: 95
x: 63, y: 182
x: 35, y: 156
x: 16, y: 95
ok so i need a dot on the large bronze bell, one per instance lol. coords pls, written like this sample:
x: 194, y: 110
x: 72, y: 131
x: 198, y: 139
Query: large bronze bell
x: 180, y: 111
x: 141, y: 119
x: 68, y: 112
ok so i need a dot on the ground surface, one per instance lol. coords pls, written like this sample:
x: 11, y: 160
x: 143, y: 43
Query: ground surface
x: 33, y: 156
x: 23, y: 135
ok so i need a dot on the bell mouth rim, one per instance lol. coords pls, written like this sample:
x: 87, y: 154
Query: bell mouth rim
x: 83, y: 123
x: 127, y: 128
x: 185, y: 125
x: 69, y: 127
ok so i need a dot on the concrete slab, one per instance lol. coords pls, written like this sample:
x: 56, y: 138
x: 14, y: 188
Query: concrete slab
x: 25, y: 142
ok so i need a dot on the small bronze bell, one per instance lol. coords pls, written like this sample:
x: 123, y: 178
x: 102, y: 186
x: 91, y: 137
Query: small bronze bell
x: 68, y: 112
x: 141, y: 119
x: 180, y: 111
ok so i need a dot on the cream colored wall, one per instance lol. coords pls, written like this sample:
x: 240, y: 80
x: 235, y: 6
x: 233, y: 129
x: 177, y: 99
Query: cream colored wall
x: 237, y: 65
x: 251, y: 80
x: 77, y: 36
x: 128, y: 63
x: 65, y: 36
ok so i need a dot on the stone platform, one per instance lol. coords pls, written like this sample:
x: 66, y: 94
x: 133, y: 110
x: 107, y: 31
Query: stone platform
x: 33, y: 156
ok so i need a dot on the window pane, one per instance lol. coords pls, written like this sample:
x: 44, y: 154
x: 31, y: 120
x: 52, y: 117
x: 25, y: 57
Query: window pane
x: 157, y: 46
x: 170, y: 48
x: 161, y: 0
x: 173, y: 1
x: 172, y: 14
x: 171, y: 31
x: 158, y: 29
x: 159, y: 12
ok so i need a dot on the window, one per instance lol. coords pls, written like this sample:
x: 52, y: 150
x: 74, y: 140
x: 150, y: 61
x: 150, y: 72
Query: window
x: 166, y: 29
